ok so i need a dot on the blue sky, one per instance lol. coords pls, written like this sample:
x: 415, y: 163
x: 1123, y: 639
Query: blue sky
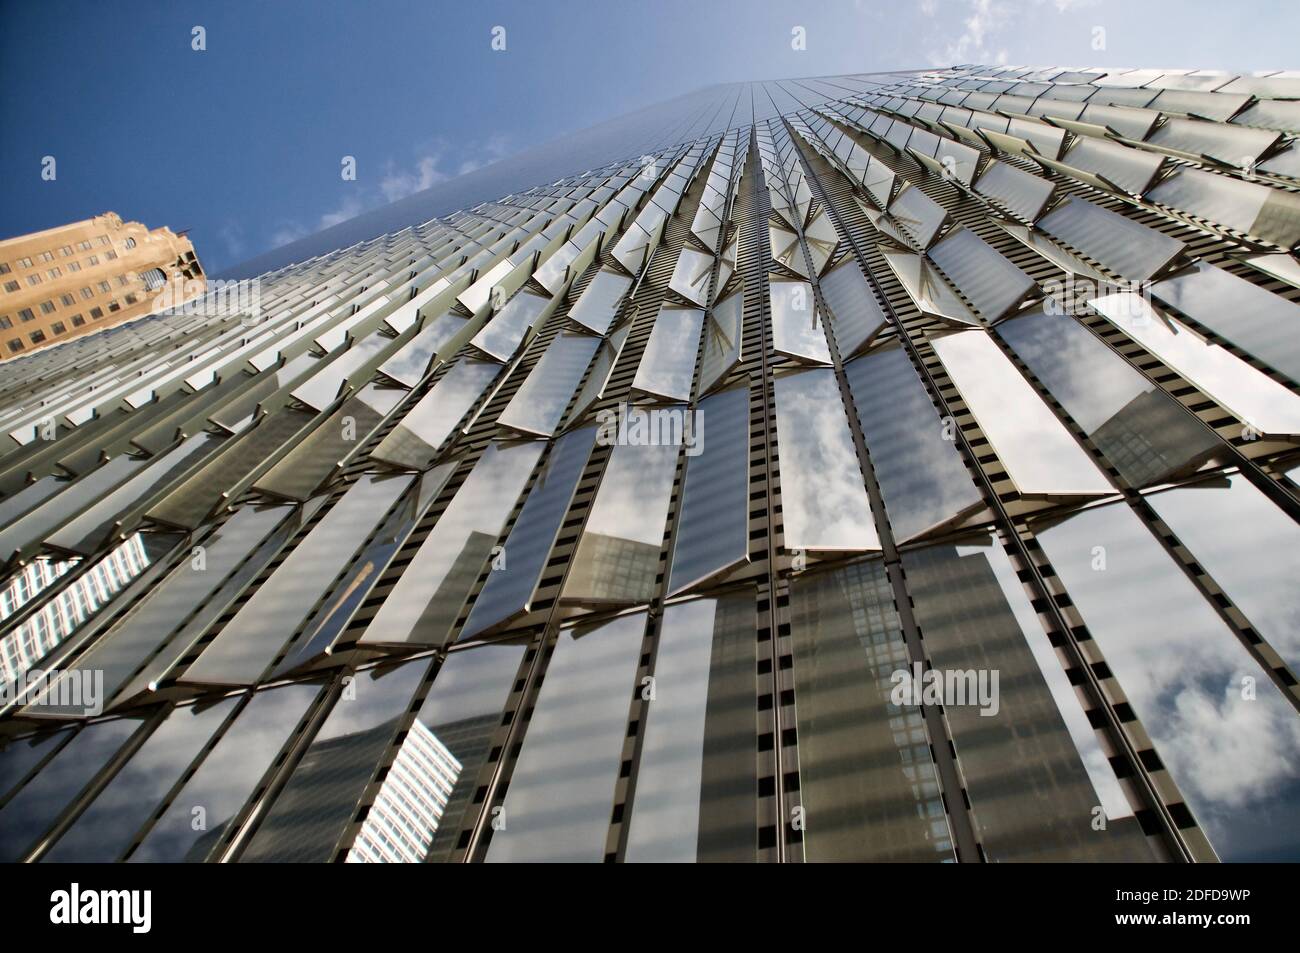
x: 241, y: 143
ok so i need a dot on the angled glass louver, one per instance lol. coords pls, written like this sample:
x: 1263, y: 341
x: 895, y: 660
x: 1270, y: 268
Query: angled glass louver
x: 539, y: 403
x: 422, y: 431
x: 668, y: 364
x: 597, y: 305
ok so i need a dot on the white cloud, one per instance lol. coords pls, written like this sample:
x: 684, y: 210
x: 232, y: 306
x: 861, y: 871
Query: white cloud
x: 395, y: 183
x: 398, y: 184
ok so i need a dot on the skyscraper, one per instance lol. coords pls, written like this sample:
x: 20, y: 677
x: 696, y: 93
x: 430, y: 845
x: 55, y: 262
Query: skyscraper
x: 65, y: 282
x: 884, y: 467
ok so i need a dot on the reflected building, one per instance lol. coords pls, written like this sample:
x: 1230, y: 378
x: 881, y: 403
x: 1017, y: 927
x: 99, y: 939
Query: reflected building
x: 961, y: 566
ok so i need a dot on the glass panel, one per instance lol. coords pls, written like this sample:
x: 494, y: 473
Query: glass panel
x: 866, y: 779
x: 1254, y: 398
x: 856, y: 316
x: 425, y: 602
x: 120, y: 653
x: 1270, y: 214
x: 1128, y: 248
x: 921, y: 474
x: 106, y: 827
x: 598, y: 375
x: 1257, y: 321
x: 321, y: 797
x: 1130, y: 169
x: 428, y: 791
x: 504, y: 333
x: 1033, y: 766
x: 1144, y: 433
x: 713, y: 530
x: 561, y: 792
x: 1236, y: 761
x: 796, y: 325
x: 928, y: 289
x: 199, y: 817
x: 353, y: 588
x: 990, y: 282
x: 324, y: 451
x: 618, y: 555
x: 668, y: 363
x: 248, y: 642
x: 823, y: 496
x: 917, y: 214
x: 20, y: 535
x: 691, y: 275
x: 509, y: 589
x: 539, y: 403
x: 86, y: 534
x: 409, y: 365
x: 414, y: 442
x: 1039, y: 454
x: 596, y: 307
x: 31, y: 811
x: 1250, y: 548
x: 19, y: 757
x: 696, y: 776
x: 1023, y: 193
x: 190, y: 504
x: 722, y: 341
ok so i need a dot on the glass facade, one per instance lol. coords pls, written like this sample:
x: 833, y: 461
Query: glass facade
x: 882, y: 473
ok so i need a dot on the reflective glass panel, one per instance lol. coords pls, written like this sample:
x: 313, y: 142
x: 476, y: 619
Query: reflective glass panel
x: 1144, y: 433
x: 866, y: 779
x: 561, y: 791
x: 921, y: 474
x: 426, y: 600
x: 1250, y: 548
x: 1039, y: 454
x: 823, y: 496
x: 694, y: 796
x: 668, y: 363
x: 1235, y: 759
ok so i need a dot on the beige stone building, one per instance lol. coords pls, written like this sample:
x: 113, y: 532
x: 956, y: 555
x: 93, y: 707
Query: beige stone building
x: 80, y: 278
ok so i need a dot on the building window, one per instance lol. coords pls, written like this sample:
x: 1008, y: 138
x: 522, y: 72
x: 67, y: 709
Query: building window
x: 78, y: 320
x: 33, y: 280
x: 87, y: 293
x: 129, y: 243
x: 114, y: 305
x: 47, y: 307
x: 110, y: 254
x: 68, y: 300
x: 123, y: 281
x: 26, y: 314
x: 46, y: 256
x: 11, y: 286
x: 92, y: 261
x: 15, y: 346
x: 74, y: 266
x: 132, y: 298
x: 4, y: 268
x: 37, y: 336
x: 58, y: 327
x: 154, y: 278
x: 103, y: 239
x: 84, y: 246
x: 65, y: 251
x: 6, y: 322
x: 54, y: 273
x: 96, y: 313
x: 25, y: 262
x: 105, y: 287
